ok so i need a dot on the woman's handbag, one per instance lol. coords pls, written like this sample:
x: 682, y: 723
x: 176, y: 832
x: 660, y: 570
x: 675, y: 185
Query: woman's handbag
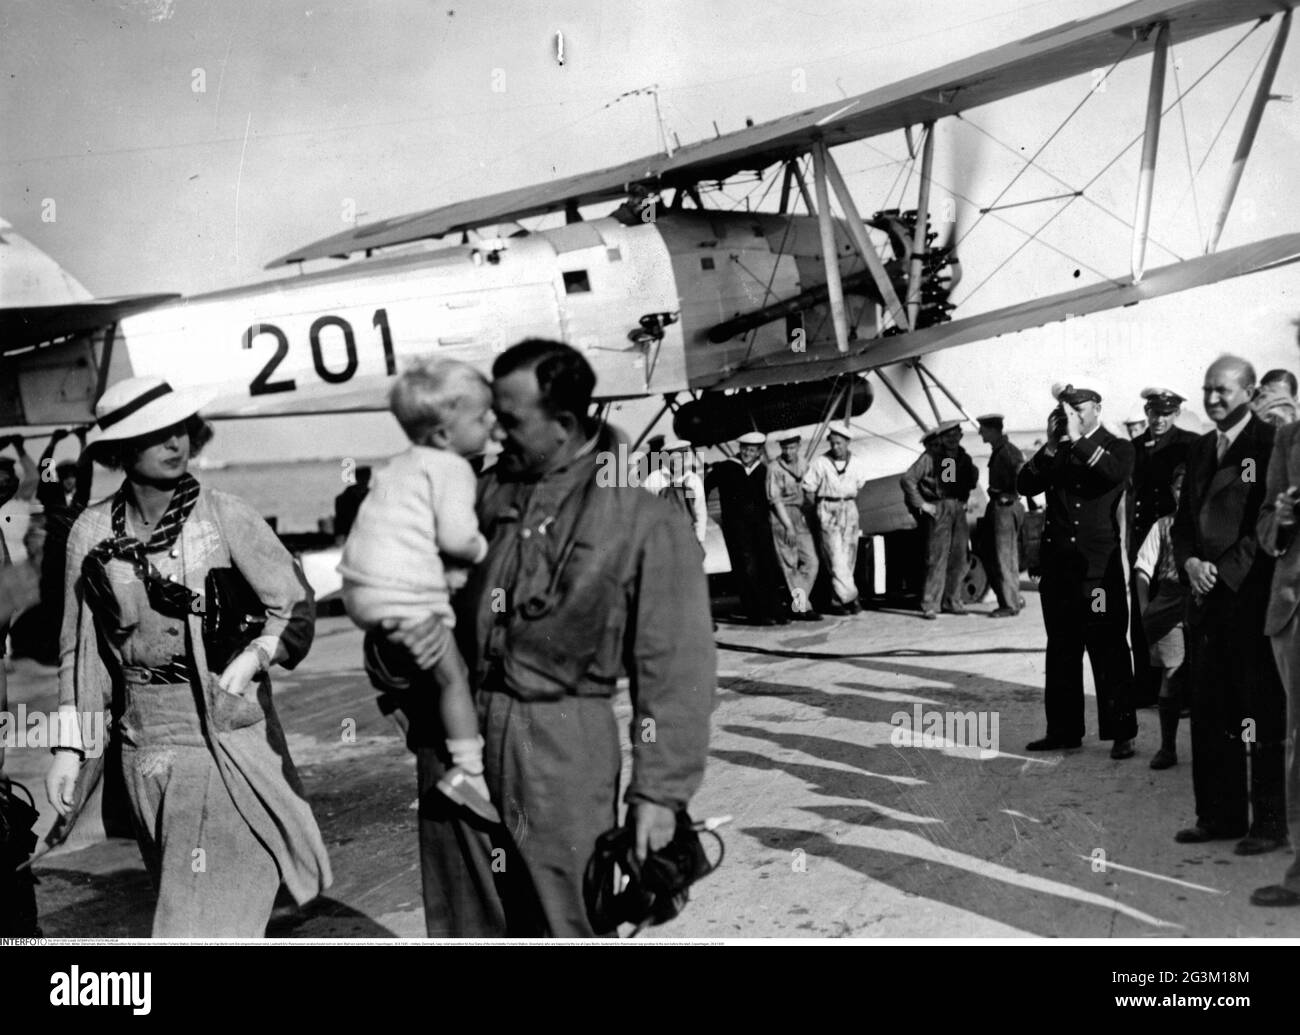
x: 233, y: 616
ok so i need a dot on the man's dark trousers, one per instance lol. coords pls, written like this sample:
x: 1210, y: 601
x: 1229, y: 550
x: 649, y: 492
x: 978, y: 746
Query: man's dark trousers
x: 1236, y: 696
x: 1087, y: 614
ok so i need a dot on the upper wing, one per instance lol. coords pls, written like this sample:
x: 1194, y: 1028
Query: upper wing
x: 1178, y: 276
x: 1048, y: 57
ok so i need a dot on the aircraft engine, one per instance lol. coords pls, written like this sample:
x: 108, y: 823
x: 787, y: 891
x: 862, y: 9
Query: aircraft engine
x: 718, y: 417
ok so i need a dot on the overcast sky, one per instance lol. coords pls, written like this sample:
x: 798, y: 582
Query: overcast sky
x: 186, y: 143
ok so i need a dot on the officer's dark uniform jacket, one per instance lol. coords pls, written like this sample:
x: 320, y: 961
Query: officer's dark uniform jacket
x: 1152, y: 497
x: 1084, y: 484
x: 631, y: 596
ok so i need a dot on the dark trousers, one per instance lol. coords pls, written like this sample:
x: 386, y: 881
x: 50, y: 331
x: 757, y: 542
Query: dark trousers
x: 946, y: 539
x: 760, y: 582
x: 1234, y: 679
x: 1286, y: 651
x: 1087, y: 614
x: 1004, y: 516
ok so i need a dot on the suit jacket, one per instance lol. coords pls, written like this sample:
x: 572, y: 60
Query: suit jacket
x: 1217, y: 515
x: 1084, y: 484
x: 1152, y: 497
x: 1274, y: 539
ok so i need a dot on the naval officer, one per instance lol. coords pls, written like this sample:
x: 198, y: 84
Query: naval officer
x: 1157, y: 454
x: 1083, y: 471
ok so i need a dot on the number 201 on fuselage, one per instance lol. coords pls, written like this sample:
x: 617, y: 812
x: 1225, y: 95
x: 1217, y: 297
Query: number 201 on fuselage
x: 264, y: 382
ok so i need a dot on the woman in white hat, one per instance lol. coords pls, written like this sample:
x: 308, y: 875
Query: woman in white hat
x: 162, y: 579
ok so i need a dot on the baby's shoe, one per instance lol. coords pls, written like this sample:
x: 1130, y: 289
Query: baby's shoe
x: 469, y: 791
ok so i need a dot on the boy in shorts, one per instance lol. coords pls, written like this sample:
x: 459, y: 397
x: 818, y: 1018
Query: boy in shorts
x: 415, y: 533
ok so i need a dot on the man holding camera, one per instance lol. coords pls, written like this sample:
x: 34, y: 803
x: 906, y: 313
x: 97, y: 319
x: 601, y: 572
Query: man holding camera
x: 1083, y: 471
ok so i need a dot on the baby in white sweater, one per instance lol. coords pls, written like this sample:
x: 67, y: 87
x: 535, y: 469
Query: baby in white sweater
x: 420, y: 510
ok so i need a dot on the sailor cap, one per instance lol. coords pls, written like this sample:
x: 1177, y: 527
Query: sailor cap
x: 941, y: 429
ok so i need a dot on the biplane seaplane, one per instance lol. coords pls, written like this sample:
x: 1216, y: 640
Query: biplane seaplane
x: 736, y: 320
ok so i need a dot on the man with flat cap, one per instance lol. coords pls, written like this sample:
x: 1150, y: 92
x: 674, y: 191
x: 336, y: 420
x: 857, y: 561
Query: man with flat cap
x: 1083, y: 471
x: 1004, y: 516
x: 1157, y: 454
x: 936, y: 488
x: 790, y: 531
x: 741, y: 484
x: 834, y: 480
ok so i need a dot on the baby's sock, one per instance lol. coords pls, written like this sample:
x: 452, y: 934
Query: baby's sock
x: 467, y: 753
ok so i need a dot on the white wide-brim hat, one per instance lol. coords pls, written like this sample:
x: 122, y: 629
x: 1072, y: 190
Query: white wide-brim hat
x: 142, y: 405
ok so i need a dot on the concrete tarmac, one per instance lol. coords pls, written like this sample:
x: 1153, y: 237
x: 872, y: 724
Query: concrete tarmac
x: 845, y: 822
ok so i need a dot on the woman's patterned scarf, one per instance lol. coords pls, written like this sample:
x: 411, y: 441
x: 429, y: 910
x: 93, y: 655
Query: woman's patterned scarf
x: 166, y: 597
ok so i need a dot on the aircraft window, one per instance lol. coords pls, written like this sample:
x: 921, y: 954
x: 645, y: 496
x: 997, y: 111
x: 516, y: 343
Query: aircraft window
x: 576, y: 282
x: 706, y: 263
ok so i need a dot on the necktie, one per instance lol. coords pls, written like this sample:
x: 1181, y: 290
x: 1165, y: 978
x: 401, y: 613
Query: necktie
x: 1222, y: 446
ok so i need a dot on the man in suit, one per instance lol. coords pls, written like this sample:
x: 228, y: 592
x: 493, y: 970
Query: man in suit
x: 1238, y: 704
x: 1277, y: 537
x: 1158, y: 452
x: 1083, y: 471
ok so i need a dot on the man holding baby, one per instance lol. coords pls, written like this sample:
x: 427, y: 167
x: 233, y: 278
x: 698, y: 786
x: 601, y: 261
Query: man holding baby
x: 582, y: 582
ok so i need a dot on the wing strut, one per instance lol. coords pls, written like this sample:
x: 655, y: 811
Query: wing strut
x: 803, y: 187
x: 830, y: 251
x: 880, y: 373
x: 858, y: 231
x: 925, y: 387
x: 1262, y: 96
x: 943, y: 388
x: 919, y: 243
x: 1150, y: 144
